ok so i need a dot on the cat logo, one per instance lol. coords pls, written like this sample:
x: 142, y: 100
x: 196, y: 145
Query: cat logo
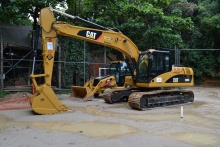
x: 175, y: 80
x: 91, y: 34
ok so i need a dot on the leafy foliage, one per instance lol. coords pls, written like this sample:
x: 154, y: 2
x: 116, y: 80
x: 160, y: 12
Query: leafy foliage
x: 22, y: 11
x: 149, y: 23
x: 205, y: 35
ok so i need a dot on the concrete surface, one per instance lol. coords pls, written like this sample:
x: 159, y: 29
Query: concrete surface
x: 97, y: 124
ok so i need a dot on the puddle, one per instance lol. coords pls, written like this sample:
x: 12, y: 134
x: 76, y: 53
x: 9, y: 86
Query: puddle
x: 3, y: 119
x: 195, y: 104
x: 174, y: 115
x: 213, y: 95
x: 196, y: 138
x: 142, y: 116
x: 4, y: 122
x: 90, y: 129
x: 121, y: 105
x: 114, y: 130
x: 192, y: 117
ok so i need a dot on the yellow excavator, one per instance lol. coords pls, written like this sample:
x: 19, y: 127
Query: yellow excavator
x: 143, y: 88
x: 114, y: 78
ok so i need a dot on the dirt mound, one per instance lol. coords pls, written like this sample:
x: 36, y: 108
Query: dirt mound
x: 15, y: 95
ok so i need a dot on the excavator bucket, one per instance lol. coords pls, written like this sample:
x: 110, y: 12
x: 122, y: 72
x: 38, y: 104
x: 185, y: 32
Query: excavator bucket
x: 47, y: 102
x: 82, y: 92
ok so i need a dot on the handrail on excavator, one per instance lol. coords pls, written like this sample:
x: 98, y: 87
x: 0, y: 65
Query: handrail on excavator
x: 80, y: 19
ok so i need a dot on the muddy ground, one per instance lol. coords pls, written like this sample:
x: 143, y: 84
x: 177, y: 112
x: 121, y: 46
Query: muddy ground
x: 97, y: 124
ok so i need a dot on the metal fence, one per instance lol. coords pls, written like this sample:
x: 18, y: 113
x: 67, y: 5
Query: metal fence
x: 14, y: 69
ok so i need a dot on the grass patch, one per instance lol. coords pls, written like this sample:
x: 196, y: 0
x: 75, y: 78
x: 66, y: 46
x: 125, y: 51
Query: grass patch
x: 62, y: 91
x: 2, y: 94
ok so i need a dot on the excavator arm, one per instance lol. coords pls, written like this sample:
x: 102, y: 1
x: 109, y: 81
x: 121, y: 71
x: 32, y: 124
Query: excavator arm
x: 45, y: 101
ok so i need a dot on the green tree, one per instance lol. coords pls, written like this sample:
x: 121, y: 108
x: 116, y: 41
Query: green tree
x: 24, y: 12
x: 9, y: 13
x: 148, y: 23
x: 206, y: 35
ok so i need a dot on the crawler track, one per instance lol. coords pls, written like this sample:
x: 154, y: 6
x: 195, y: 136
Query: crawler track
x: 159, y: 98
x: 145, y: 100
x: 116, y: 95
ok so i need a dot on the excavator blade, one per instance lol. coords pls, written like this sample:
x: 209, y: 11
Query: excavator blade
x: 82, y: 92
x: 47, y: 102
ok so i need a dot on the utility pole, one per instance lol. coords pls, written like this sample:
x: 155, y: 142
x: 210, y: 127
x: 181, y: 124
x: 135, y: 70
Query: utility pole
x: 1, y: 70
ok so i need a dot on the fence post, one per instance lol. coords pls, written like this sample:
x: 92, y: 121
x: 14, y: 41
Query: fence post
x: 59, y: 63
x: 1, y: 70
x: 84, y: 62
x: 177, y: 56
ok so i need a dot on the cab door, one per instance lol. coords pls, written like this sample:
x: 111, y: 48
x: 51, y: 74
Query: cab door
x: 158, y: 63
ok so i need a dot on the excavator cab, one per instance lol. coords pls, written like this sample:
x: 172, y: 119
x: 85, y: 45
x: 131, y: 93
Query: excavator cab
x: 155, y: 70
x: 120, y: 70
x: 151, y: 64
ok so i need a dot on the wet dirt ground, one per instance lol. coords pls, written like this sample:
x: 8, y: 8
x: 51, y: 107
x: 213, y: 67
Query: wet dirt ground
x: 95, y: 123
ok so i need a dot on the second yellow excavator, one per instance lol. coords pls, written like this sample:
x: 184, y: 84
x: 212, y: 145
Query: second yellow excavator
x: 143, y: 88
x: 114, y: 78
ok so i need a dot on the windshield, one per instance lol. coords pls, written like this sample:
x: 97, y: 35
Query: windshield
x: 152, y: 65
x: 120, y: 67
